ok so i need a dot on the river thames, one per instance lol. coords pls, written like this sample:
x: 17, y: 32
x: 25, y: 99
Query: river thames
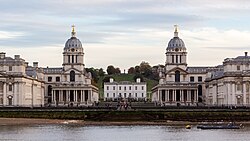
x: 117, y: 133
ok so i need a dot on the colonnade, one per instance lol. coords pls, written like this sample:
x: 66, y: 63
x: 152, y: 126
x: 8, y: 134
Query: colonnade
x: 178, y: 95
x: 74, y: 96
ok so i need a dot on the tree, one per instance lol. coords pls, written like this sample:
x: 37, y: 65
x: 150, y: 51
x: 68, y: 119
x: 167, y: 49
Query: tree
x: 131, y: 70
x: 111, y: 70
x: 117, y: 71
x: 137, y: 69
x: 145, y: 69
x: 101, y: 72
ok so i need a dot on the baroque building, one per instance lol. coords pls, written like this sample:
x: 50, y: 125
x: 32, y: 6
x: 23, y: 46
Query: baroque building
x: 126, y: 90
x: 179, y: 84
x: 230, y: 84
x: 20, y: 85
x: 70, y: 85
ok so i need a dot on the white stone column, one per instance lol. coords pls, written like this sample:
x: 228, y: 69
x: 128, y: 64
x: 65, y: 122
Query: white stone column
x: 233, y: 94
x: 83, y: 94
x: 244, y: 94
x: 89, y: 92
x: 167, y: 95
x: 4, y: 94
x: 181, y: 94
x: 52, y: 96
x: 174, y: 95
x: 74, y: 95
x: 215, y: 95
x: 160, y: 96
x: 15, y: 94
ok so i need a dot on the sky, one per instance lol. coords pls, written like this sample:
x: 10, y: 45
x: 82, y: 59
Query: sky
x: 123, y: 33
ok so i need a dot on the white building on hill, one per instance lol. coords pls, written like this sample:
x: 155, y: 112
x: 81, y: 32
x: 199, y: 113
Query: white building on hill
x: 125, y: 90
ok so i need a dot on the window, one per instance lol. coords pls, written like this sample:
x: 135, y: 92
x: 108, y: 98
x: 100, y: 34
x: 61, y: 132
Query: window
x: 191, y: 79
x: 73, y: 59
x: 129, y: 95
x: 238, y: 67
x: 129, y: 87
x: 72, y: 76
x: 57, y: 79
x: 125, y: 88
x: 135, y: 87
x: 10, y: 87
x: 135, y: 94
x: 49, y: 79
x: 239, y: 87
x: 142, y: 95
x: 10, y: 68
x: 142, y: 87
x: 199, y: 79
x: 172, y: 58
x: 125, y: 95
x: 176, y: 58
x: 120, y: 88
x: 76, y: 58
x: 180, y: 58
x: 107, y: 87
x: 177, y: 76
x: 68, y: 58
x: 113, y: 94
x: 107, y: 94
x: 113, y: 87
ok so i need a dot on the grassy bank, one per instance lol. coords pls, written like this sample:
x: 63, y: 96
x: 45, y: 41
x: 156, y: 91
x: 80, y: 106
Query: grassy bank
x: 128, y: 116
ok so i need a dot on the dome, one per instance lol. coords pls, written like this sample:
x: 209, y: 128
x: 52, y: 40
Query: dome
x: 73, y: 42
x: 176, y: 43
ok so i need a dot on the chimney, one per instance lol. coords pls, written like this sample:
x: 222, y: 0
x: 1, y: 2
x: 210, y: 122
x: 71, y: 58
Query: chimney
x: 17, y: 56
x: 246, y: 54
x: 26, y: 64
x: 2, y: 55
x: 111, y: 80
x: 35, y: 64
x: 138, y: 80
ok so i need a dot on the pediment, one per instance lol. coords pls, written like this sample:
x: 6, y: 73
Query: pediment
x: 175, y: 69
x: 74, y: 69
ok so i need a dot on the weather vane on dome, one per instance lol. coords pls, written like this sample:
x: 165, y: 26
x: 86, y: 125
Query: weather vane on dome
x: 73, y: 31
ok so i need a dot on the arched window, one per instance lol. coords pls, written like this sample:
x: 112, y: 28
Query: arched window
x: 177, y: 76
x: 72, y: 76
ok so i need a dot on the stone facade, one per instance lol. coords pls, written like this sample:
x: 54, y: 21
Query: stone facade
x: 20, y: 85
x: 125, y: 90
x: 179, y: 84
x: 230, y: 85
x: 70, y: 85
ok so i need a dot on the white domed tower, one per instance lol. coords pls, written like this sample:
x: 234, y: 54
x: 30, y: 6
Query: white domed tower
x: 73, y: 53
x: 176, y: 55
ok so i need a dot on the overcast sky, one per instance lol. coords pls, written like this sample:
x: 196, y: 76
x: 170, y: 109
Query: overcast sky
x: 125, y: 32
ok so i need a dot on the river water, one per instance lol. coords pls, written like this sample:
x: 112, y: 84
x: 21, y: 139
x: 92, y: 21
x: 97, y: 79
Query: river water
x: 117, y: 133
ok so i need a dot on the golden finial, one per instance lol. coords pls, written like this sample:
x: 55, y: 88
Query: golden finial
x: 175, y: 30
x: 73, y: 31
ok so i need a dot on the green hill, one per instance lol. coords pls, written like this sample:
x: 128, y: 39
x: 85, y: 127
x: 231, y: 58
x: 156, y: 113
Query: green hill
x: 126, y: 77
